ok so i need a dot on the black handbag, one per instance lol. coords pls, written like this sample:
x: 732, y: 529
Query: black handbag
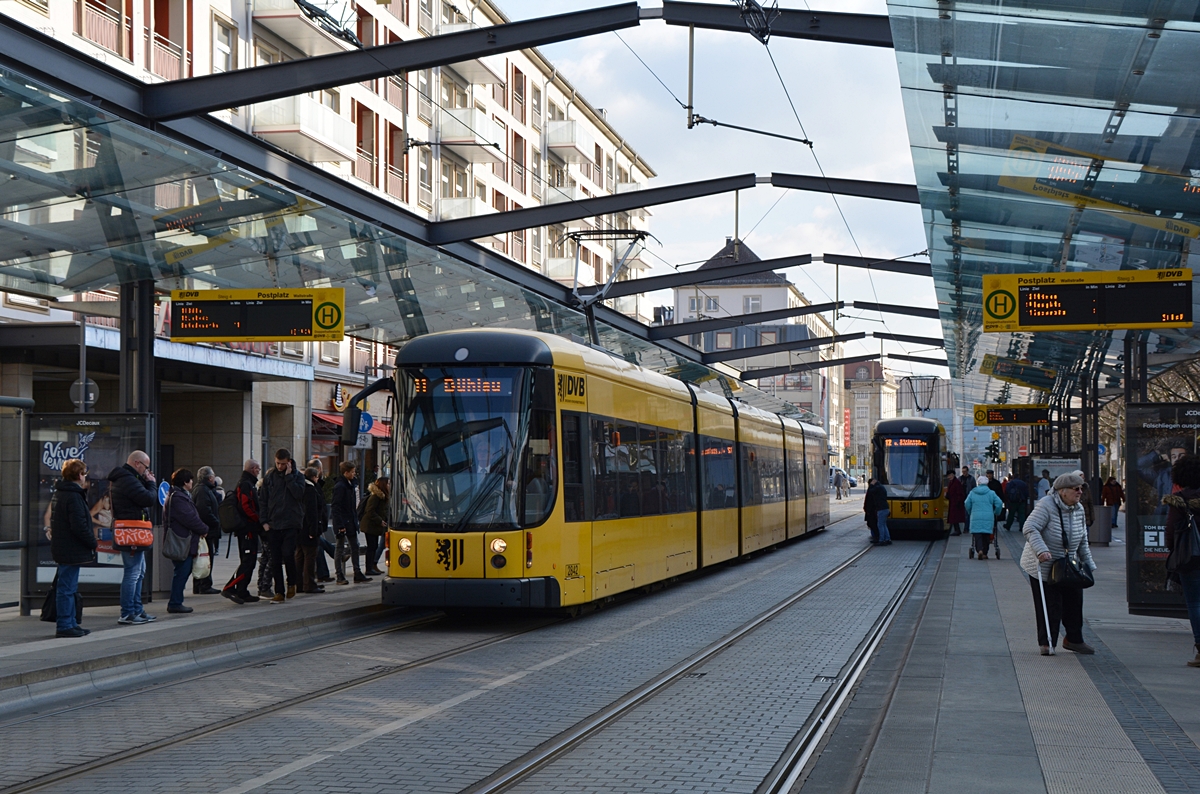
x: 1067, y: 571
x: 1185, y: 556
x: 50, y: 605
x: 174, y: 547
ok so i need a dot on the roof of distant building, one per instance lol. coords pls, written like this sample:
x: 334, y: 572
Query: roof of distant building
x: 726, y: 257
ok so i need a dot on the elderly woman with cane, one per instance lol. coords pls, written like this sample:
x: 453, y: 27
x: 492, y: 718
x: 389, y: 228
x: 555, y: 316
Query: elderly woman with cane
x: 1056, y: 532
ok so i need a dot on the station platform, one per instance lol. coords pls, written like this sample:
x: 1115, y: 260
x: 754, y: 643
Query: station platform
x: 958, y: 698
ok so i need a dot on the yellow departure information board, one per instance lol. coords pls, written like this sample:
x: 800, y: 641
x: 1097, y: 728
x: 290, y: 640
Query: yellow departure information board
x: 1106, y: 300
x: 987, y: 415
x: 252, y: 315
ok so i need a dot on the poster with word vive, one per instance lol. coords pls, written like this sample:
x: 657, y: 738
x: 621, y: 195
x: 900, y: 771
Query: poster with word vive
x: 102, y: 442
x: 1156, y: 436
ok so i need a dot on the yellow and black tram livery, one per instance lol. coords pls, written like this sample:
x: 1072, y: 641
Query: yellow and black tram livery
x: 910, y: 460
x: 531, y: 471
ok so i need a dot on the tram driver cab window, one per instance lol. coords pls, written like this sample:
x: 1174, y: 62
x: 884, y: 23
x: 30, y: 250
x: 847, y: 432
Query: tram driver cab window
x: 539, y: 466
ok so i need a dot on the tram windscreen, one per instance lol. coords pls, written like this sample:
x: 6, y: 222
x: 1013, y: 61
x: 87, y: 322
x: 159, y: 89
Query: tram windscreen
x: 462, y: 430
x: 904, y: 467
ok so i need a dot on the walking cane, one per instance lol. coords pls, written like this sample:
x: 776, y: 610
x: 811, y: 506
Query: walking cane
x: 1045, y: 612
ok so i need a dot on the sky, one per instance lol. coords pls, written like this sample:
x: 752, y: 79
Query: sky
x: 849, y: 102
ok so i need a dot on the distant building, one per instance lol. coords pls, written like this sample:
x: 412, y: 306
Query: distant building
x: 818, y: 391
x: 870, y: 396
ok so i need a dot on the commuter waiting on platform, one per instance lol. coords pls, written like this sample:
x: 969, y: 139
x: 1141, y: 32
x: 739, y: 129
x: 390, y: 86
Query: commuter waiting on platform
x: 208, y: 506
x: 314, y: 524
x: 956, y: 497
x: 1183, y: 507
x: 1016, y: 497
x: 375, y: 522
x: 180, y: 517
x: 876, y: 502
x: 1112, y: 494
x: 1055, y: 528
x: 344, y: 510
x: 281, y: 508
x: 1043, y: 484
x: 968, y: 481
x: 133, y: 491
x: 72, y: 543
x: 244, y: 523
x: 983, y: 506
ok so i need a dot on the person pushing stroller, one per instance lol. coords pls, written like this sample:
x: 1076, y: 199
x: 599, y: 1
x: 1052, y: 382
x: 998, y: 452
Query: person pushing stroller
x: 983, y: 506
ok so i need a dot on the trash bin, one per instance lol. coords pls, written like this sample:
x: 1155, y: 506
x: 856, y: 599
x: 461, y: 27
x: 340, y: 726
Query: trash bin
x: 1100, y: 530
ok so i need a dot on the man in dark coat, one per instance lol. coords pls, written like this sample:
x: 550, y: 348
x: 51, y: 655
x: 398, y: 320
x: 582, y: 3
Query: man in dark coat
x: 72, y: 542
x: 324, y: 547
x: 237, y: 589
x: 968, y: 480
x: 208, y: 506
x: 314, y: 525
x: 281, y: 508
x: 877, y: 501
x: 134, y: 492
x: 344, y: 510
x: 1016, y: 498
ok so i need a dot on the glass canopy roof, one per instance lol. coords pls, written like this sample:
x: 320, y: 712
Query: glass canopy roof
x: 1097, y: 100
x: 90, y: 200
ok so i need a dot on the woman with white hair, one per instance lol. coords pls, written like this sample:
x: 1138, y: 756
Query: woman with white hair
x: 1056, y: 528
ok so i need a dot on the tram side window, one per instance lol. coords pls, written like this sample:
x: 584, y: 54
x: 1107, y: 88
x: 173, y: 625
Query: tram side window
x: 795, y: 475
x: 604, y: 469
x: 572, y: 443
x: 628, y: 449
x: 649, y: 472
x: 770, y: 472
x: 538, y: 479
x: 751, y: 482
x: 684, y: 472
x: 718, y: 470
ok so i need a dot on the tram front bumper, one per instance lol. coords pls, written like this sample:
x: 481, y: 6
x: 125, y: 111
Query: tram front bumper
x: 537, y: 593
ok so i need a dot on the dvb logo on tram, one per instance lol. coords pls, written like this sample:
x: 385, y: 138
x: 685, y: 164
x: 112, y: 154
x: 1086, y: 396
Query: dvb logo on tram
x: 571, y: 389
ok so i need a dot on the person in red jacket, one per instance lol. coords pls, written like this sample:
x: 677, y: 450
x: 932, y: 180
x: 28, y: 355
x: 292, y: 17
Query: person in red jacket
x: 956, y: 514
x: 238, y: 588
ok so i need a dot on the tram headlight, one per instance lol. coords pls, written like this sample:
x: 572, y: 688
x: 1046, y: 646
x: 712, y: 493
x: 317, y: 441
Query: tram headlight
x: 405, y: 545
x: 499, y: 546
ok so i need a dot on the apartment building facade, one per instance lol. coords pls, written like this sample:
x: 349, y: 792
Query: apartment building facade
x: 870, y: 395
x: 488, y: 135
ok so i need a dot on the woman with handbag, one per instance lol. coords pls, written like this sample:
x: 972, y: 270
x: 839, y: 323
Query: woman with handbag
x: 182, y: 531
x: 72, y: 543
x: 1182, y: 509
x: 1059, y: 562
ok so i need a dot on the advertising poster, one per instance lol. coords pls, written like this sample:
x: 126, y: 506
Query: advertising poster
x: 102, y: 442
x: 1157, y: 436
x: 1055, y: 464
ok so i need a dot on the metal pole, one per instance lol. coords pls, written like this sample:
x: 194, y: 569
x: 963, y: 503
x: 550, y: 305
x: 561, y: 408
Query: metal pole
x: 737, y: 213
x: 691, y: 74
x: 83, y: 407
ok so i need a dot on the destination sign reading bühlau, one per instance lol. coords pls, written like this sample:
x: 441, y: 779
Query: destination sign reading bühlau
x: 1088, y: 301
x: 248, y: 315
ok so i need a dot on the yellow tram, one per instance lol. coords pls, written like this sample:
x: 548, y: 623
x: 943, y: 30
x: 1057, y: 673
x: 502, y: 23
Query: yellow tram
x: 531, y: 471
x: 910, y: 459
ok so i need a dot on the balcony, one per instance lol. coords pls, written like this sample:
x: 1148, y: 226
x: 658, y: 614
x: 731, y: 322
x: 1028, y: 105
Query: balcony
x: 487, y: 70
x: 630, y: 187
x: 285, y: 19
x: 471, y: 135
x: 554, y: 195
x: 306, y: 128
x: 571, y: 141
x: 453, y: 208
x: 397, y: 183
x: 562, y: 270
x: 102, y: 24
x: 167, y: 59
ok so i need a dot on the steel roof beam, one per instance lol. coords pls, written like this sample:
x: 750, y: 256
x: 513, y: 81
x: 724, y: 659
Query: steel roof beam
x: 755, y: 374
x: 639, y: 286
x: 890, y: 265
x: 916, y: 340
x: 887, y: 308
x: 870, y: 30
x: 884, y: 191
x: 781, y: 347
x: 754, y: 318
x: 548, y: 214
x: 190, y: 97
x: 938, y: 362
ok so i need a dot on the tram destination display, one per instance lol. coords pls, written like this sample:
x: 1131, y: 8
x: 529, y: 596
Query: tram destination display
x: 1092, y: 301
x: 248, y: 315
x: 987, y: 415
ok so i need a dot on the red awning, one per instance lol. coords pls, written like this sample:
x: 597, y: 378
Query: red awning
x: 377, y: 429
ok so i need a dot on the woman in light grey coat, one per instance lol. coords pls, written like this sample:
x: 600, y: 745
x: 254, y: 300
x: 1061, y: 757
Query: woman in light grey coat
x: 1058, y: 514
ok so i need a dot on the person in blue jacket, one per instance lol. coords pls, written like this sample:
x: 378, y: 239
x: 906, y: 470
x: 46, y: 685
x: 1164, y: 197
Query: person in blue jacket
x: 983, y: 506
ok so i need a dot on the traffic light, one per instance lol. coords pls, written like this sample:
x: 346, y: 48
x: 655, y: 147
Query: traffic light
x: 993, y: 451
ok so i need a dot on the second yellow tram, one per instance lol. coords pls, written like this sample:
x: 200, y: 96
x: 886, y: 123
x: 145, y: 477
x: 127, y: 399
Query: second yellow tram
x: 910, y: 458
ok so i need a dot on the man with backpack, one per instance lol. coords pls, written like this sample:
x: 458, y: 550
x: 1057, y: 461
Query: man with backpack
x: 239, y: 516
x: 281, y: 508
x: 1016, y: 497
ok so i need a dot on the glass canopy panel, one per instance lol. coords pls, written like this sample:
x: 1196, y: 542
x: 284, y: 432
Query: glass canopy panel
x: 1049, y: 137
x: 93, y: 201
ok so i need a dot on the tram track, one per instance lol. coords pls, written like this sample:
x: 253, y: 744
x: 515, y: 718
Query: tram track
x: 79, y: 770
x: 799, y: 752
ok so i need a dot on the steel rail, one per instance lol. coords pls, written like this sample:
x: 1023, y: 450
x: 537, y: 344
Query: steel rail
x: 121, y: 757
x: 785, y: 775
x: 552, y: 749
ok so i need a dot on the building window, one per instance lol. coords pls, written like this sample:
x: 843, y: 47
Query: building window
x: 26, y: 303
x: 518, y: 95
x: 425, y: 95
x: 224, y: 46
x: 712, y: 305
x: 767, y: 337
x: 293, y: 349
x: 453, y: 94
x: 724, y: 340
x: 751, y: 304
x: 454, y: 179
x: 535, y: 107
x: 862, y: 373
x: 861, y: 412
x: 425, y: 177
x: 692, y: 305
x: 331, y: 352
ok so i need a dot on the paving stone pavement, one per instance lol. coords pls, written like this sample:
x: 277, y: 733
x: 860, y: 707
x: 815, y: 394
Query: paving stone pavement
x: 446, y: 725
